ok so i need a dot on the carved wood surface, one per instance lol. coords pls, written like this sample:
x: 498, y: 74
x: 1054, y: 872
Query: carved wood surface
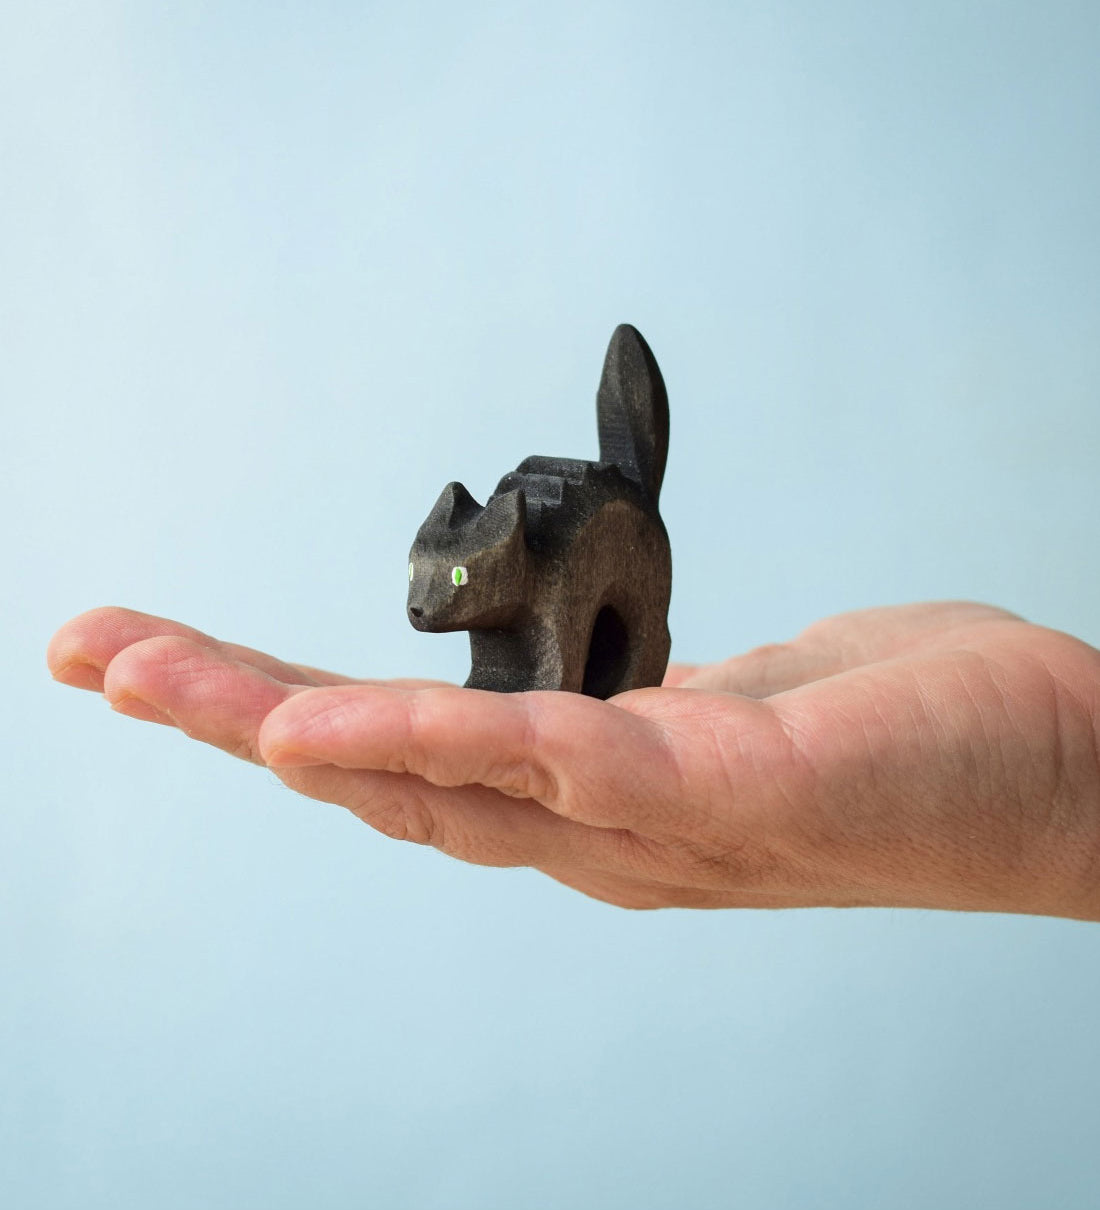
x: 563, y: 577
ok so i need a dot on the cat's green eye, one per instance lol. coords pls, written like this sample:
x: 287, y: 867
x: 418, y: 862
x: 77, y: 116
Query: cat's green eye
x: 458, y: 576
x: 410, y: 573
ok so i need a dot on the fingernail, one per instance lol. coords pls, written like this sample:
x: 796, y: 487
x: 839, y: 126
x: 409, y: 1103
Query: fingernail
x: 134, y: 707
x: 79, y: 675
x: 282, y: 758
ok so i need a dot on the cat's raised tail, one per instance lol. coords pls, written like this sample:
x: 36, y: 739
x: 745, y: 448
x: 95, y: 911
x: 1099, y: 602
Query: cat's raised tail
x: 632, y: 411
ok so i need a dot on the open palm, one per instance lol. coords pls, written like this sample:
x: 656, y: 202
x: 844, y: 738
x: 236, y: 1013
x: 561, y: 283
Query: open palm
x: 939, y: 755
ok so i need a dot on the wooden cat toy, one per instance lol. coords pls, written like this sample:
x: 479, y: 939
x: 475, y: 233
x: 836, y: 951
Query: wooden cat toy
x: 563, y: 577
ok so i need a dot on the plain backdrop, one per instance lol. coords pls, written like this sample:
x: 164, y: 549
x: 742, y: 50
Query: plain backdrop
x: 270, y: 275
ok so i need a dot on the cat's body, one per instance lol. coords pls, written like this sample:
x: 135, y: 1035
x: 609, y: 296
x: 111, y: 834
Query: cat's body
x: 563, y: 577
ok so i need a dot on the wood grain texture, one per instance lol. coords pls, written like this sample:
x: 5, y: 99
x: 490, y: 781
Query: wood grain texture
x: 563, y: 577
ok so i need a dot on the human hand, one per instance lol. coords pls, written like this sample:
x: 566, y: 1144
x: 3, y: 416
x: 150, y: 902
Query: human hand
x: 937, y: 756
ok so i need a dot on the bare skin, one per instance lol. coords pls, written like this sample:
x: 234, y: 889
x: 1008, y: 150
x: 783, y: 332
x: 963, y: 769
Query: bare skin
x: 936, y: 756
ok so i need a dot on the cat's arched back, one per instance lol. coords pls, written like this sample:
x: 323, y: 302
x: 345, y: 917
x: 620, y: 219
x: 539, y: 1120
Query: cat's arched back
x: 563, y: 577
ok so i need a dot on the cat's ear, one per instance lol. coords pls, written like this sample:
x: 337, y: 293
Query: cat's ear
x: 505, y: 515
x: 454, y: 507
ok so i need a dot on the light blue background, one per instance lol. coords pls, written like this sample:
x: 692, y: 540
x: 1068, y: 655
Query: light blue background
x: 271, y: 275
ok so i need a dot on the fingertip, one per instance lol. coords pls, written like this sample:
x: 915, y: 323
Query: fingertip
x: 134, y: 707
x: 78, y: 675
x: 283, y: 758
x: 66, y: 651
x: 89, y: 640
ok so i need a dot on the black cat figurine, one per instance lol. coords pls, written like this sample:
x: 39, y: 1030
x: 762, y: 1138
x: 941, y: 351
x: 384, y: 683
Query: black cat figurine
x: 563, y: 578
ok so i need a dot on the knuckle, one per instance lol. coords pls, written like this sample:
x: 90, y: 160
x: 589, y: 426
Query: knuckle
x: 572, y: 801
x: 516, y: 779
x: 528, y: 777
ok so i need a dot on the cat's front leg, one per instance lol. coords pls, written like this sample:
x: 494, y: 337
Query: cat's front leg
x: 515, y: 661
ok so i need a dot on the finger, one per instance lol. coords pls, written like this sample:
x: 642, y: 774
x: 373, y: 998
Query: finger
x: 841, y: 643
x: 223, y: 702
x: 585, y: 759
x: 482, y: 826
x: 470, y: 823
x: 204, y: 692
x: 848, y: 641
x: 80, y: 651
x: 83, y: 647
x: 763, y: 671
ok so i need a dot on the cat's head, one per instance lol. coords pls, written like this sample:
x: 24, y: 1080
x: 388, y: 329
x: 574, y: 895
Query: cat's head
x: 468, y: 565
